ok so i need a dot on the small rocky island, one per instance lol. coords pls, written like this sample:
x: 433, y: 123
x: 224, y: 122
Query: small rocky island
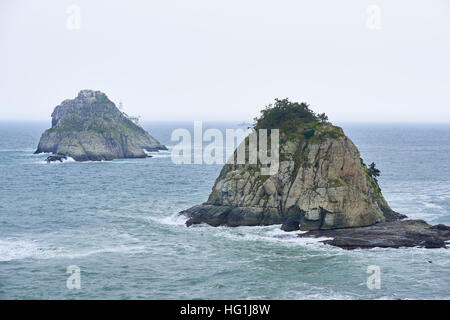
x: 91, y: 128
x: 322, y: 186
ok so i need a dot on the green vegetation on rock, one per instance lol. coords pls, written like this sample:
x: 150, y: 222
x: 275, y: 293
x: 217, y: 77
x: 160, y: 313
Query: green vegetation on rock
x: 296, y: 121
x: 371, y: 175
x: 373, y: 171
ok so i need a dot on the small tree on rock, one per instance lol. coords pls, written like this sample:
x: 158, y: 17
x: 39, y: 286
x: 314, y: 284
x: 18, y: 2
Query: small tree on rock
x: 373, y: 171
x: 322, y: 117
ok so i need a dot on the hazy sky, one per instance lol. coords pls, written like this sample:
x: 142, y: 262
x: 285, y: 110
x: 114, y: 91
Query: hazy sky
x: 225, y: 60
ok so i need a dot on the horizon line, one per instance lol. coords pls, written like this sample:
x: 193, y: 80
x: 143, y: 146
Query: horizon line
x: 251, y: 122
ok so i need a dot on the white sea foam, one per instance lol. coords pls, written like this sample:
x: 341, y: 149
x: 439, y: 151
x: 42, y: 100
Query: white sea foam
x: 432, y: 205
x: 115, y: 249
x: 173, y: 220
x: 160, y: 153
x: 163, y: 155
x: 68, y: 160
x: 271, y: 233
x: 12, y: 249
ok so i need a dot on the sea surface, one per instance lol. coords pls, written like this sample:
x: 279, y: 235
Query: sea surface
x: 117, y: 221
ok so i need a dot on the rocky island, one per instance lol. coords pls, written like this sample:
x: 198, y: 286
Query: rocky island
x: 322, y: 186
x: 91, y: 128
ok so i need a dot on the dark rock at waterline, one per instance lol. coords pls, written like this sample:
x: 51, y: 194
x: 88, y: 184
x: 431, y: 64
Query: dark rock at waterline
x: 56, y: 158
x: 291, y: 224
x: 394, y: 234
x: 441, y: 227
x: 230, y: 216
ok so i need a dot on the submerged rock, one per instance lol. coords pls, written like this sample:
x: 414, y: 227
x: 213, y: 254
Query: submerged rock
x: 394, y: 234
x: 91, y: 127
x: 322, y: 182
x: 291, y: 224
x: 56, y: 158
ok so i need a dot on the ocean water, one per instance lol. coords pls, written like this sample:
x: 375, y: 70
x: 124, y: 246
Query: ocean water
x: 117, y: 221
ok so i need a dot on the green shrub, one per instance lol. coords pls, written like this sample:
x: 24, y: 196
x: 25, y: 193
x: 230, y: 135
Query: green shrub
x: 309, y: 133
x: 296, y: 121
x: 285, y: 115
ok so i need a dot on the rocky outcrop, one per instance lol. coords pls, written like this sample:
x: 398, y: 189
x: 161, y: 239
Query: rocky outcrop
x: 56, y: 158
x: 396, y: 234
x: 291, y: 224
x: 91, y: 127
x: 322, y: 182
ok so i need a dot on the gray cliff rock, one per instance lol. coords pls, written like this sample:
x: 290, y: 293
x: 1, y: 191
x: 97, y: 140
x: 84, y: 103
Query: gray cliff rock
x: 91, y: 127
x: 322, y: 181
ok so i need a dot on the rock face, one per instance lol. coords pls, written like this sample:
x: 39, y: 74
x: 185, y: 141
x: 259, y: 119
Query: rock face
x: 322, y: 182
x: 91, y: 127
x: 396, y: 234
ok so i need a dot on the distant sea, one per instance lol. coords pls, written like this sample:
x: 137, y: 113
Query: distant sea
x: 117, y: 221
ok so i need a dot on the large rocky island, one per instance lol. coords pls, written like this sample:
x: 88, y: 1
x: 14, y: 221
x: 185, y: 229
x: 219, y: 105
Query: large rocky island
x: 91, y: 127
x: 322, y: 186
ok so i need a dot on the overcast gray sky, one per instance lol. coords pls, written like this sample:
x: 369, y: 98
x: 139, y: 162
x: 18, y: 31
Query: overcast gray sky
x: 225, y: 60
